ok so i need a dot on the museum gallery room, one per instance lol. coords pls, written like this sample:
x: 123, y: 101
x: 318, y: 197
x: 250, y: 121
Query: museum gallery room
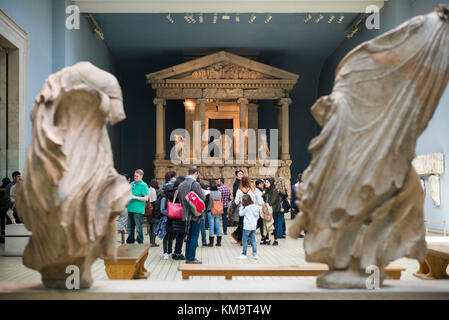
x: 338, y: 108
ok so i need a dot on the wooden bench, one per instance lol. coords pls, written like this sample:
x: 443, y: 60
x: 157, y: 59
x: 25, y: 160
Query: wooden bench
x: 250, y: 270
x: 436, y: 262
x: 129, y: 263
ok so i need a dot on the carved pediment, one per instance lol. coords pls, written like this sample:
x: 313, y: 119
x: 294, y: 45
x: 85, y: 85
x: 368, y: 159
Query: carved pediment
x: 224, y: 70
x: 221, y: 66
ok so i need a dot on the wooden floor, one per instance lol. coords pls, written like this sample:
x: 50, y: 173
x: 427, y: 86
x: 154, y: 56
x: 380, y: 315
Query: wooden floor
x: 289, y: 251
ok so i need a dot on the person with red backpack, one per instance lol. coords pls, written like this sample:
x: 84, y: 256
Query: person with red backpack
x: 214, y: 213
x: 192, y: 197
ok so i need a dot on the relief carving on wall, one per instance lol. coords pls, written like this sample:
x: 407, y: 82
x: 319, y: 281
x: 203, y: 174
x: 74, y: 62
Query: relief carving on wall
x: 226, y: 71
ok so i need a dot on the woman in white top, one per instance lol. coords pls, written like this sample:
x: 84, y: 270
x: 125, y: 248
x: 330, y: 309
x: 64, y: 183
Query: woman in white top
x: 245, y: 187
x: 250, y: 213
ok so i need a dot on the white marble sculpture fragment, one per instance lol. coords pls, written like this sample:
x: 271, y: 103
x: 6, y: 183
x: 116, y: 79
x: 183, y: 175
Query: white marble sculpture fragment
x: 434, y: 189
x: 71, y: 193
x: 426, y: 164
x: 361, y: 201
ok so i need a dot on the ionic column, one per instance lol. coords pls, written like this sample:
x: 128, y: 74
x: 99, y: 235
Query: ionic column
x: 253, y: 114
x: 285, y: 148
x: 243, y: 104
x: 202, y: 113
x: 160, y: 125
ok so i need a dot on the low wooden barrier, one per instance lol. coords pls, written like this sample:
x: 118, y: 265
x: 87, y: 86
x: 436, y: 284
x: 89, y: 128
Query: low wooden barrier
x: 258, y: 270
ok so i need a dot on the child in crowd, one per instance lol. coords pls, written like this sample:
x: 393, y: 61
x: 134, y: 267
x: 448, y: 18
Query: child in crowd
x: 250, y: 212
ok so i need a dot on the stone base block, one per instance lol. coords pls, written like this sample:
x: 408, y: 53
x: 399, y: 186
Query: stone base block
x: 16, y: 239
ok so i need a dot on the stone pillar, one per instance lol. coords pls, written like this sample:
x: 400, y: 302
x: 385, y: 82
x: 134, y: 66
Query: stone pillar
x: 202, y: 114
x: 253, y: 123
x: 160, y: 126
x: 243, y: 104
x: 285, y: 149
x: 279, y: 113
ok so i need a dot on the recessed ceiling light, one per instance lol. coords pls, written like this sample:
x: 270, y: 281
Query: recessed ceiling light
x: 237, y: 18
x: 215, y: 18
x: 200, y: 18
x: 226, y: 17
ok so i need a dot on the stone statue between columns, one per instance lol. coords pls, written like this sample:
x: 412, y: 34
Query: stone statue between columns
x: 264, y: 151
x: 179, y: 146
x: 361, y: 200
x: 71, y: 193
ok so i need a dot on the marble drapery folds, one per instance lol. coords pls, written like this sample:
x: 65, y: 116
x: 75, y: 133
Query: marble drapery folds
x: 71, y: 193
x: 361, y: 201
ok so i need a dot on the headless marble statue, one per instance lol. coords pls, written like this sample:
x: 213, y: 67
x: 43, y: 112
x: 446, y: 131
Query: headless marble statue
x: 361, y: 200
x: 71, y: 193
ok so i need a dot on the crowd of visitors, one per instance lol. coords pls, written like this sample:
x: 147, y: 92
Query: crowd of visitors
x: 184, y: 207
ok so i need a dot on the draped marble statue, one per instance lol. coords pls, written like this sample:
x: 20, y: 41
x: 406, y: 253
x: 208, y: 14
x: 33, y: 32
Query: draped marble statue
x: 71, y: 193
x: 361, y: 201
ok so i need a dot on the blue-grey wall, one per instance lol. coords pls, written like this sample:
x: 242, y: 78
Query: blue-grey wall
x: 435, y: 138
x: 35, y: 17
x: 52, y: 47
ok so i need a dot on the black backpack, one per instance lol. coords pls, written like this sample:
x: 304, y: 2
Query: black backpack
x: 284, y: 204
x: 157, y: 205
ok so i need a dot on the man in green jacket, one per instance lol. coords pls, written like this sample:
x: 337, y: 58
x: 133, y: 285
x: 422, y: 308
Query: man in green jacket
x: 136, y: 207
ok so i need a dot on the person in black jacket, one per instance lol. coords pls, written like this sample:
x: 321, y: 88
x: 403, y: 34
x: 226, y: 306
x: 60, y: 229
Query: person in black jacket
x: 175, y: 228
x: 232, y: 214
x: 272, y: 199
x: 238, y: 177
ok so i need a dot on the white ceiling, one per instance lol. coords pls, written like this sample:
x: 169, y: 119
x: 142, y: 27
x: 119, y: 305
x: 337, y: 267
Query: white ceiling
x: 226, y: 6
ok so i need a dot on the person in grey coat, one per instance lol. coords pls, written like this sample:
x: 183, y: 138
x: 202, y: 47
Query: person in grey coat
x: 192, y: 222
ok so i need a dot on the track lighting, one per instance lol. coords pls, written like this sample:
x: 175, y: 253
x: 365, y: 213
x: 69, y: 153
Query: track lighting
x: 317, y: 20
x: 340, y: 20
x: 237, y: 18
x: 192, y: 19
x: 169, y: 18
x: 252, y: 18
x: 268, y: 18
x: 95, y: 27
x: 225, y: 17
x: 215, y: 18
x: 307, y: 18
x: 331, y: 18
x: 200, y: 18
x: 352, y: 32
